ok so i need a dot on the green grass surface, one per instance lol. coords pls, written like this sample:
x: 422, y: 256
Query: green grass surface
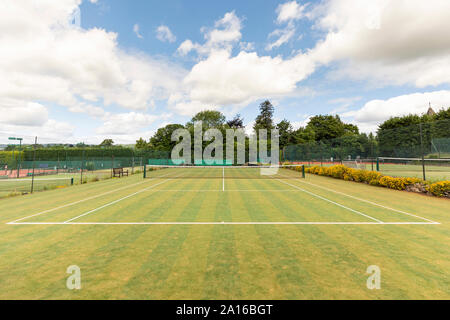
x: 224, y: 261
x: 433, y: 173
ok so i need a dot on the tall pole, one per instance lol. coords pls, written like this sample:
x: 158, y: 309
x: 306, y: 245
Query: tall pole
x: 421, y: 151
x: 34, y: 160
x: 18, y: 164
x: 82, y: 165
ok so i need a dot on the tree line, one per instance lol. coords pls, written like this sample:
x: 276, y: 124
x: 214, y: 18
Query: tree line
x: 324, y: 136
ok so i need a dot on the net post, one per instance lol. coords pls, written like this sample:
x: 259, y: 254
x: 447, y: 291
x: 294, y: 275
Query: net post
x: 303, y: 172
x: 378, y: 164
x: 422, y: 152
x: 71, y: 181
x: 81, y: 169
x: 34, y: 161
x: 145, y: 170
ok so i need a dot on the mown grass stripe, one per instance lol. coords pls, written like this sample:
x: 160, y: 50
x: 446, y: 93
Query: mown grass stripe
x: 291, y: 276
x: 149, y: 281
x: 222, y: 279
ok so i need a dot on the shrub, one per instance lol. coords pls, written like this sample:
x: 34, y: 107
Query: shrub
x: 440, y: 189
x: 338, y: 171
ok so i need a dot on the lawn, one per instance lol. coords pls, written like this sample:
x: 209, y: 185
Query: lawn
x: 177, y: 236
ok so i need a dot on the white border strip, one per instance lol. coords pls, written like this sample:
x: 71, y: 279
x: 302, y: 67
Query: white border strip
x: 221, y: 223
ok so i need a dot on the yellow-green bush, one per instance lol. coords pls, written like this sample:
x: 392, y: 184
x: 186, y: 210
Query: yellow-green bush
x: 440, y: 189
x: 338, y: 171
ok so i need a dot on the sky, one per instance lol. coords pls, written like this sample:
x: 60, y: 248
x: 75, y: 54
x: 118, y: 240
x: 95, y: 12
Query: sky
x: 82, y: 71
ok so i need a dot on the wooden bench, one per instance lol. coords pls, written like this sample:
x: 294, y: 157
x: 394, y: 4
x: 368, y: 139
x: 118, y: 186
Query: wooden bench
x: 119, y: 172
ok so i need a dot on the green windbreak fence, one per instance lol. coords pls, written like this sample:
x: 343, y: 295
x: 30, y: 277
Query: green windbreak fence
x: 421, y: 150
x: 170, y: 162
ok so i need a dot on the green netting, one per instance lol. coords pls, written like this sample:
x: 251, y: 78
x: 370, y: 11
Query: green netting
x: 441, y: 146
x: 400, y: 150
x: 25, y: 185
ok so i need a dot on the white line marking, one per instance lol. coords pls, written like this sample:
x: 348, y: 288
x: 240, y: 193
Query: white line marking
x: 79, y: 201
x: 222, y: 223
x: 373, y: 203
x: 335, y: 203
x: 76, y: 202
x: 116, y: 201
x: 231, y: 190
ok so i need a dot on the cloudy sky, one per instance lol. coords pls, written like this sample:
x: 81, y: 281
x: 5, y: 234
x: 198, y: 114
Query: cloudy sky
x: 73, y: 70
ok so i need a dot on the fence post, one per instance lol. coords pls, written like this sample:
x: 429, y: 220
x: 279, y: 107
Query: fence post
x: 132, y: 162
x: 82, y: 165
x: 421, y: 151
x: 34, y: 160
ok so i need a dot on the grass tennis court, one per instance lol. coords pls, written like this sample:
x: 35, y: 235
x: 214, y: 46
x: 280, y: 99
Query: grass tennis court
x: 179, y: 235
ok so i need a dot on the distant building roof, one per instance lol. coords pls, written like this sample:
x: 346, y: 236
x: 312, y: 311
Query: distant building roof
x: 431, y: 112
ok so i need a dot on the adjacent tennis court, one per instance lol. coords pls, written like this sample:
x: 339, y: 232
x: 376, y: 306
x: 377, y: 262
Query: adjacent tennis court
x: 224, y: 233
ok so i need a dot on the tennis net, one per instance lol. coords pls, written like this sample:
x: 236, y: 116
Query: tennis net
x: 224, y: 172
x: 8, y: 186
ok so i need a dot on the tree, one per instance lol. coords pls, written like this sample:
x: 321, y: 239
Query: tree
x: 443, y: 114
x: 265, y: 119
x: 162, y: 139
x: 107, y: 143
x: 303, y: 135
x: 350, y: 129
x: 236, y: 123
x: 209, y: 118
x: 141, y: 144
x: 285, y: 131
x: 400, y: 136
x: 327, y: 127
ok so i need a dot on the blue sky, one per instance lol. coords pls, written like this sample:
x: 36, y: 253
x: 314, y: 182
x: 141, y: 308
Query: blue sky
x: 88, y: 70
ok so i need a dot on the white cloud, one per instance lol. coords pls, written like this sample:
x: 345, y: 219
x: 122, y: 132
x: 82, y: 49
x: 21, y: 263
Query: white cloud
x: 221, y: 79
x: 226, y: 33
x: 128, y: 123
x: 284, y: 35
x: 247, y: 46
x: 375, y: 112
x: 390, y: 41
x: 225, y: 80
x: 45, y: 58
x: 290, y: 11
x: 186, y: 47
x: 51, y: 131
x: 22, y: 113
x: 164, y: 34
x: 136, y: 31
x: 93, y: 111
